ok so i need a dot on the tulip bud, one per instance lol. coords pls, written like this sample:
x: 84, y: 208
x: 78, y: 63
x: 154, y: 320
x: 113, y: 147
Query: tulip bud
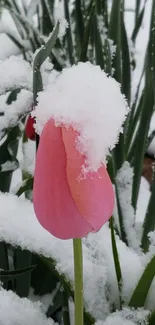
x: 29, y: 128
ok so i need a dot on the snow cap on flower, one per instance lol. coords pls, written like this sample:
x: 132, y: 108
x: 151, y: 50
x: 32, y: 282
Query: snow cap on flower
x: 89, y: 101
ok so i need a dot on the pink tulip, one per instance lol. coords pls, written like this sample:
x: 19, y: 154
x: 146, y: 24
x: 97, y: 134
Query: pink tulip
x: 66, y: 205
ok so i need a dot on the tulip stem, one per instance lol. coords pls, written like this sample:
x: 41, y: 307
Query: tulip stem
x: 78, y: 279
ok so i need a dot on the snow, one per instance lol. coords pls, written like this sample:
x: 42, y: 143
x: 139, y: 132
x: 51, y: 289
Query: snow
x: 27, y: 163
x: 9, y: 165
x: 100, y: 290
x: 124, y: 180
x: 14, y: 111
x: 143, y: 199
x: 16, y: 72
x: 21, y: 310
x: 85, y: 98
x: 8, y: 47
x: 133, y: 222
x: 126, y: 317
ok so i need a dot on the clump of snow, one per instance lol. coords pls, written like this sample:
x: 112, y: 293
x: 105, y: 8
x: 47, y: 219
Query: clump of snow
x: 8, y: 165
x: 21, y: 310
x: 124, y: 180
x: 127, y: 317
x: 115, y: 320
x: 14, y: 111
x: 27, y: 163
x: 8, y: 47
x: 133, y: 221
x: 16, y: 73
x: 85, y: 98
x: 48, y: 74
x: 142, y: 204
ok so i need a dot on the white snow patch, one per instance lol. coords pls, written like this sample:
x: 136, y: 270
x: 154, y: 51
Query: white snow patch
x: 9, y: 165
x: 21, y: 310
x: 27, y: 163
x: 7, y: 48
x: 16, y: 73
x: 14, y: 111
x: 124, y: 180
x: 143, y: 200
x: 126, y: 317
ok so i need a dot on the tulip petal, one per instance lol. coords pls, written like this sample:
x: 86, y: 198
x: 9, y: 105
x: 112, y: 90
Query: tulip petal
x: 53, y: 203
x: 93, y: 194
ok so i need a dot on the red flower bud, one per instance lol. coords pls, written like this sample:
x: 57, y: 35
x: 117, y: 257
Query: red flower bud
x: 29, y: 128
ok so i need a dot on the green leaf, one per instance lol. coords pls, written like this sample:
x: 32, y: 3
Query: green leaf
x: 149, y: 221
x: 120, y: 217
x: 114, y: 33
x: 27, y: 185
x: 140, y: 293
x: 8, y: 152
x: 132, y: 120
x: 149, y: 139
x: 43, y: 279
x: 138, y: 23
x: 40, y: 57
x: 126, y: 68
x: 13, y: 96
x: 69, y: 33
x: 104, y: 4
x: 146, y: 114
x: 141, y: 138
x: 22, y: 261
x: 151, y: 319
x: 79, y: 21
x: 65, y: 307
x: 47, y: 21
x: 10, y: 275
x: 107, y: 57
x: 83, y: 55
x: 4, y: 261
x: 116, y: 259
x: 98, y: 44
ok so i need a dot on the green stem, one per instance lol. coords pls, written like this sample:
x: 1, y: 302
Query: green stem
x: 78, y: 279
